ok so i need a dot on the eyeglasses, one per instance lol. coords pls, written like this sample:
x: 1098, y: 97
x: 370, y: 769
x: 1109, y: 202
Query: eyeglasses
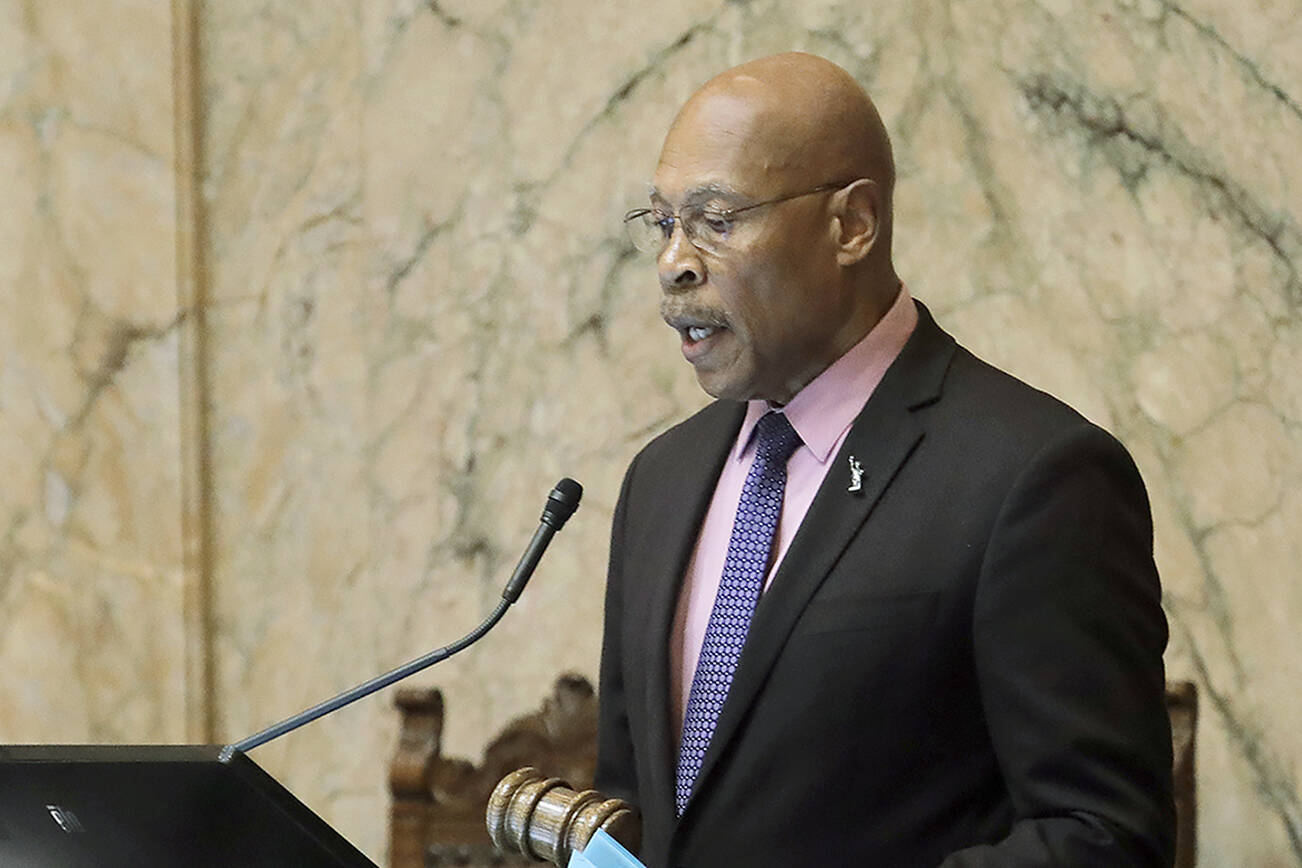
x: 709, y: 229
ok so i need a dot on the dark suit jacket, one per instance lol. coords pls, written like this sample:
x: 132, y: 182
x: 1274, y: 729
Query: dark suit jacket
x: 960, y: 665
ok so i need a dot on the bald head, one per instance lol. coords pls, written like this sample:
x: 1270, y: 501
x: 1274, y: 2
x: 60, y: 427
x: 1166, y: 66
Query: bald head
x: 797, y: 119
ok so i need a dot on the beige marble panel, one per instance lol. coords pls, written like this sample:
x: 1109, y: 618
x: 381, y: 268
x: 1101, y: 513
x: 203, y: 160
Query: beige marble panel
x: 91, y: 627
x: 424, y: 313
x: 287, y: 327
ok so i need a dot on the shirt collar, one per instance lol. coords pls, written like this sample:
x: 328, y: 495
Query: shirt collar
x: 827, y: 406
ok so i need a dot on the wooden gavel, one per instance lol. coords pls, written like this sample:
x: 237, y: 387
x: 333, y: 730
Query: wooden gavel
x: 548, y: 821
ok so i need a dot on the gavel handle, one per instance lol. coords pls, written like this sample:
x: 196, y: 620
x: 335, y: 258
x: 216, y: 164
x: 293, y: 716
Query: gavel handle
x: 546, y: 820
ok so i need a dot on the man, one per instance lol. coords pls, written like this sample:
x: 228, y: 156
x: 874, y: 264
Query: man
x: 880, y: 604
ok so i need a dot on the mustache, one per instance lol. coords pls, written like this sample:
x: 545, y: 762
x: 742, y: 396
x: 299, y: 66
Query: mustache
x: 681, y: 313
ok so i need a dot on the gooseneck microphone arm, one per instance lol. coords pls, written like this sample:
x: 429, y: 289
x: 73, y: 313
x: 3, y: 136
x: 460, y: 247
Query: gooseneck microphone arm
x: 561, y: 503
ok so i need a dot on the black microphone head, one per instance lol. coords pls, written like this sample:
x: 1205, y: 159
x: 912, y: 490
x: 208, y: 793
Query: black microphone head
x: 561, y: 503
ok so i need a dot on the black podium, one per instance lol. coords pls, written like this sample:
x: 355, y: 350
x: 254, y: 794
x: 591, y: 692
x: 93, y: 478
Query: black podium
x: 165, y: 806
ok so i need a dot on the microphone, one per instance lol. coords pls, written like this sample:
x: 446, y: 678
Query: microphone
x: 562, y: 501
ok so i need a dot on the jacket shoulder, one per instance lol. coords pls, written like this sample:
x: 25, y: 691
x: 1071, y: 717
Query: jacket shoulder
x: 991, y: 403
x: 719, y: 419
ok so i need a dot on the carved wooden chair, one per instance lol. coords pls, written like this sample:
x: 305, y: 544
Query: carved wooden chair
x: 436, y: 817
x: 437, y: 814
x: 1182, y: 705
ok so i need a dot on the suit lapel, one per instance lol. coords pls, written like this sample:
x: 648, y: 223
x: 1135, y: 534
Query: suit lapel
x: 688, y: 485
x: 882, y: 438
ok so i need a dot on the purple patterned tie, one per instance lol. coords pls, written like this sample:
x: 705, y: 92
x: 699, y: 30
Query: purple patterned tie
x: 739, y: 590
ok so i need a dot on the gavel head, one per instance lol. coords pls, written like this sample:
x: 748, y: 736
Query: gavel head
x: 548, y: 821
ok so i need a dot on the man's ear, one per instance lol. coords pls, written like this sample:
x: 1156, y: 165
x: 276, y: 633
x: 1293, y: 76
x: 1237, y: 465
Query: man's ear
x: 858, y: 209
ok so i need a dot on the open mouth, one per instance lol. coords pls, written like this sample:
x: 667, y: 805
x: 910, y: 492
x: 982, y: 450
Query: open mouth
x: 694, y: 327
x: 698, y: 332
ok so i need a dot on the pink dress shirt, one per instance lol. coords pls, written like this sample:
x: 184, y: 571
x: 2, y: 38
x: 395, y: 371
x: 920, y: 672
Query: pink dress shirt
x: 822, y: 414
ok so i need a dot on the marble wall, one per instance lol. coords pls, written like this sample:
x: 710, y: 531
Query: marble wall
x: 92, y: 583
x: 419, y: 312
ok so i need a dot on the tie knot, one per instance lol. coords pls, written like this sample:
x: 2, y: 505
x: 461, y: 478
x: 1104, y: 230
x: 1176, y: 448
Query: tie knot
x: 775, y: 439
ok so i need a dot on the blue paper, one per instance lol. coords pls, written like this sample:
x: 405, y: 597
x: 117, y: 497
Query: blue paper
x: 604, y: 851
